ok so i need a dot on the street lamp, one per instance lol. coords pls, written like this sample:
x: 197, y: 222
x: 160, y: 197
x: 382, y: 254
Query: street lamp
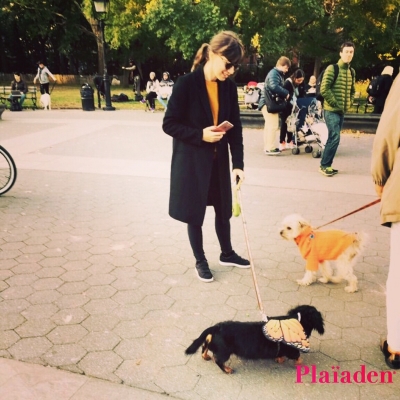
x: 102, y: 7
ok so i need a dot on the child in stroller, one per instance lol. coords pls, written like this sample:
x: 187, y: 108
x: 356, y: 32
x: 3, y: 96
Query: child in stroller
x: 252, y: 93
x: 308, y: 126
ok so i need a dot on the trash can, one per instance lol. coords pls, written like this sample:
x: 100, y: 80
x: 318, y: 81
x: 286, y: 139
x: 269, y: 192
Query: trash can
x: 87, y: 97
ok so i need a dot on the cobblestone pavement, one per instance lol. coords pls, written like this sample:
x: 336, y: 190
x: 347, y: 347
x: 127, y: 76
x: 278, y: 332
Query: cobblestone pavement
x: 97, y: 280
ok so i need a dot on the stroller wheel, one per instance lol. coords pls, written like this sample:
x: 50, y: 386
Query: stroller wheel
x: 308, y: 149
x: 295, y: 151
x: 316, y: 153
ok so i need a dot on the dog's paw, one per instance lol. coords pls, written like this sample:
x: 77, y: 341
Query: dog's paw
x: 351, y: 289
x: 323, y: 280
x: 280, y: 360
x: 228, y: 370
x: 303, y: 282
x: 299, y: 361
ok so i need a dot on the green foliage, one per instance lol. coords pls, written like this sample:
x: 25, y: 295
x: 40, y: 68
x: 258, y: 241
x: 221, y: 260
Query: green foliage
x: 197, y: 23
x: 166, y: 31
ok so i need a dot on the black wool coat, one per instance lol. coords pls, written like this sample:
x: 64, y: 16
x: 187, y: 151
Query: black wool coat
x: 188, y: 113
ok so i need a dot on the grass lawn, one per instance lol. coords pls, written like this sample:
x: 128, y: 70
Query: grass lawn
x: 69, y: 97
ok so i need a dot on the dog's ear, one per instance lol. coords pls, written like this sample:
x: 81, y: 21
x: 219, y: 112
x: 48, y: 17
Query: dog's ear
x: 303, y: 222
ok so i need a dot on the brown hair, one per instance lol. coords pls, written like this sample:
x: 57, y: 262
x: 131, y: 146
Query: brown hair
x: 347, y: 44
x: 283, y: 61
x: 225, y: 43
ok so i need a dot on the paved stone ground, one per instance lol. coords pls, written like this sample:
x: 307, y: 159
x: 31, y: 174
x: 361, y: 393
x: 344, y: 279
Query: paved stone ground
x: 96, y: 279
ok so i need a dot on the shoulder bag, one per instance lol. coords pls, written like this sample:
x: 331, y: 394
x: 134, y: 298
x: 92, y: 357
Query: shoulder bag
x: 274, y: 103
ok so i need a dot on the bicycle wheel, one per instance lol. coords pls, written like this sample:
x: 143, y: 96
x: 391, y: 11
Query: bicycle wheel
x: 8, y: 171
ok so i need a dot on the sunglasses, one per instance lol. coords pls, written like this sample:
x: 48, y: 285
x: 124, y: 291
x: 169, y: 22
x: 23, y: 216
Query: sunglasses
x: 229, y: 65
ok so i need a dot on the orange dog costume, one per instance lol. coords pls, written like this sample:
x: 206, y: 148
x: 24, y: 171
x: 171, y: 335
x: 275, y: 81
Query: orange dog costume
x: 316, y: 247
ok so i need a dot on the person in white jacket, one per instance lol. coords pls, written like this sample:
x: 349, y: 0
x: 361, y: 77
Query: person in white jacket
x: 42, y: 76
x: 152, y: 88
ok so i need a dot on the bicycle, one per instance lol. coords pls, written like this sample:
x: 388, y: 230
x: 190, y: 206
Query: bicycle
x: 8, y: 171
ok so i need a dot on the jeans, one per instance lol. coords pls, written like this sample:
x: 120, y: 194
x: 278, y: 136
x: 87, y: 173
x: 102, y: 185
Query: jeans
x: 163, y: 101
x: 21, y: 99
x: 334, y: 122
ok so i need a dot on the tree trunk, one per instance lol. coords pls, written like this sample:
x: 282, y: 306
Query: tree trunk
x: 317, y: 66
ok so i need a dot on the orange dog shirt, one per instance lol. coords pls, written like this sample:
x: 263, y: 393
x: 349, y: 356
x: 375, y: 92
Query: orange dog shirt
x: 316, y: 247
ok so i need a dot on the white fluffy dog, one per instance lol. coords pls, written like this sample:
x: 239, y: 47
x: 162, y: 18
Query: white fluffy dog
x: 319, y: 247
x: 45, y: 101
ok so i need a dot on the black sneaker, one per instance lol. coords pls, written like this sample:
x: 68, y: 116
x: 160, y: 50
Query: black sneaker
x: 335, y: 171
x: 233, y: 260
x: 203, y: 271
x: 392, y: 360
x: 273, y: 152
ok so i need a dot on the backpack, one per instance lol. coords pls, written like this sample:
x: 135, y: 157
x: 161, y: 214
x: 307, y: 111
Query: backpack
x: 319, y: 81
x: 374, y: 87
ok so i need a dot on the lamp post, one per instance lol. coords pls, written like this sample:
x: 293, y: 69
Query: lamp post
x: 102, y: 7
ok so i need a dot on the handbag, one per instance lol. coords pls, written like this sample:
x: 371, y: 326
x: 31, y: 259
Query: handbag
x: 274, y: 103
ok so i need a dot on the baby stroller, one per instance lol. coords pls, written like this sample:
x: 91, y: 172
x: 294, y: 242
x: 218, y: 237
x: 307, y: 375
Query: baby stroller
x: 308, y: 126
x: 252, y: 93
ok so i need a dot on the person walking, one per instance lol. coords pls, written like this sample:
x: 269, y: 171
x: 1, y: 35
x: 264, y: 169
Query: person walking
x: 134, y: 78
x: 292, y: 86
x: 42, y: 76
x: 385, y: 83
x: 200, y: 174
x: 274, y: 84
x: 338, y: 97
x: 385, y: 167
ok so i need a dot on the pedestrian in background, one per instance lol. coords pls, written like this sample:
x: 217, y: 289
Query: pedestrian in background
x: 200, y: 170
x: 385, y: 83
x: 311, y: 87
x: 152, y: 88
x: 274, y: 84
x: 291, y: 84
x: 386, y: 176
x: 42, y: 76
x: 19, y: 84
x: 165, y: 91
x: 338, y: 97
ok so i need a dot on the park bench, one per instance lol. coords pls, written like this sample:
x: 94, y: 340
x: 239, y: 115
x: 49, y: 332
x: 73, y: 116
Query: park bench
x: 5, y: 92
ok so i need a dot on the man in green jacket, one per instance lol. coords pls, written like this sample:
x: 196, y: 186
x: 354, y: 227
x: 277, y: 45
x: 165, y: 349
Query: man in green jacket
x: 338, y: 96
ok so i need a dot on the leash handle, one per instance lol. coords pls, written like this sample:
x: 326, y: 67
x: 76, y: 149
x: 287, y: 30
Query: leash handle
x: 350, y: 213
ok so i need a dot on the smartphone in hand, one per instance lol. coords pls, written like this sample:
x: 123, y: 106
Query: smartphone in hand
x: 223, y: 127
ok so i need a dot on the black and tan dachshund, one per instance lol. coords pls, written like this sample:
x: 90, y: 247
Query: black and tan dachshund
x: 251, y: 340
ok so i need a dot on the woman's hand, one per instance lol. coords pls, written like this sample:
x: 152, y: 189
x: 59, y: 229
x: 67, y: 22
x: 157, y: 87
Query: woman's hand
x: 237, y: 173
x: 211, y: 136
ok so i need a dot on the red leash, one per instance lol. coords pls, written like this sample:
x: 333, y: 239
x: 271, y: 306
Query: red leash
x: 353, y: 212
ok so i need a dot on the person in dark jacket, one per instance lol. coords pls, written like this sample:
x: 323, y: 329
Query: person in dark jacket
x: 385, y: 83
x: 19, y: 84
x: 274, y: 83
x: 200, y: 171
x: 292, y: 85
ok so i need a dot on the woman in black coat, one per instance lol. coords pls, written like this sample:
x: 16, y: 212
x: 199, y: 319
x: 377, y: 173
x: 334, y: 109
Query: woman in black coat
x: 200, y: 171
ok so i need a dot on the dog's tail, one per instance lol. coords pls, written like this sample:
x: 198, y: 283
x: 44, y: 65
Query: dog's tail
x: 200, y: 340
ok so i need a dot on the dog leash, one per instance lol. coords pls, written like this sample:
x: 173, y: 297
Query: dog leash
x: 54, y: 84
x: 350, y: 213
x: 246, y: 236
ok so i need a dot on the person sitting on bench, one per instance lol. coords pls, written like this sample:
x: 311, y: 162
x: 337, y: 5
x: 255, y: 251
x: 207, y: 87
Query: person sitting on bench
x: 19, y: 85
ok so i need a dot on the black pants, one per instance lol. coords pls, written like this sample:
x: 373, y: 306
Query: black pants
x: 44, y: 88
x: 151, y: 99
x: 284, y: 132
x: 222, y: 225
